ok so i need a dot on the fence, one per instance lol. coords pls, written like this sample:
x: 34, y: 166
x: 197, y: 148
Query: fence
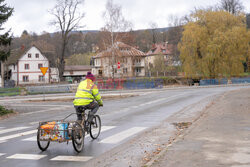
x: 131, y: 83
x: 205, y: 82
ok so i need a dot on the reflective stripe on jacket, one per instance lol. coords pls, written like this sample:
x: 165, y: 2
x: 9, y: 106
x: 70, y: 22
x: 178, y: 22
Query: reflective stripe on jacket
x: 87, y: 91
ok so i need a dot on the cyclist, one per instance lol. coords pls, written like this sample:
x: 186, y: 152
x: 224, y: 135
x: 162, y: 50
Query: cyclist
x: 87, y: 93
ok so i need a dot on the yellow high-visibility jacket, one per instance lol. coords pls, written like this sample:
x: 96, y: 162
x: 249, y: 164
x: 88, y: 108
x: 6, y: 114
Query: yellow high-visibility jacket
x: 87, y: 91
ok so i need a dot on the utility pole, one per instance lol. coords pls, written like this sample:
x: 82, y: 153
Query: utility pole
x: 112, y: 52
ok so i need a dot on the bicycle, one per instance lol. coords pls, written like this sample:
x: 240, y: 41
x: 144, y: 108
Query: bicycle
x: 64, y: 131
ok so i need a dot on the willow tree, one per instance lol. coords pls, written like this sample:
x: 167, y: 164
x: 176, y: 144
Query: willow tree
x: 214, y: 44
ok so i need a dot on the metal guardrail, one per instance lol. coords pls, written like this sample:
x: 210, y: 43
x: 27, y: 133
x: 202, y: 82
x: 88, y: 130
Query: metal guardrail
x: 49, y: 89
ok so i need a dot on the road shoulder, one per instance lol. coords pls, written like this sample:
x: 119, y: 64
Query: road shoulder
x: 219, y: 138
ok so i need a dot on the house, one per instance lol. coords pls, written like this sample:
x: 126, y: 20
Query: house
x: 130, y: 60
x: 75, y: 73
x: 24, y: 66
x: 162, y: 49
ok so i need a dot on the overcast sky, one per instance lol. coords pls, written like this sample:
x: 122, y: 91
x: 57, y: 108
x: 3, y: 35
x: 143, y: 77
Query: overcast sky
x: 33, y: 16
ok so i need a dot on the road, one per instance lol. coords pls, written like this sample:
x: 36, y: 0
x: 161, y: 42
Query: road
x: 122, y: 120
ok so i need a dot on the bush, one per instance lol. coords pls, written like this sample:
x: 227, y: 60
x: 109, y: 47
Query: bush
x: 4, y: 111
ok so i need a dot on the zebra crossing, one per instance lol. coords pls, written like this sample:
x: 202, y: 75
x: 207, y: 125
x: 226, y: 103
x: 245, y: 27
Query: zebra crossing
x: 28, y: 134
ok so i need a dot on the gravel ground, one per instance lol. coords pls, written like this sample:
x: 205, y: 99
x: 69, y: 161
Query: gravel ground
x: 220, y: 138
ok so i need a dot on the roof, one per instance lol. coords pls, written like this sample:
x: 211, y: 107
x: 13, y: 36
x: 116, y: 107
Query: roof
x: 77, y: 68
x: 161, y: 49
x: 121, y: 49
x: 16, y: 54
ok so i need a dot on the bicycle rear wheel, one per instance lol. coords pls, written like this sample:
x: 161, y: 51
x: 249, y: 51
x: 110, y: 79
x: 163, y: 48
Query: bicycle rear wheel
x: 43, y: 145
x: 78, y: 135
x: 95, y: 127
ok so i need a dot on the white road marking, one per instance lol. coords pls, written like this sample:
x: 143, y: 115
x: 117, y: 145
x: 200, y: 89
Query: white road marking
x: 1, y: 154
x: 2, y: 141
x: 103, y: 129
x: 33, y: 138
x: 71, y: 158
x: 12, y: 129
x: 122, y: 135
x: 33, y: 123
x: 18, y: 135
x: 27, y: 156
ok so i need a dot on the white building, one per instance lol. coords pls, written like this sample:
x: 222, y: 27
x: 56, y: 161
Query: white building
x: 25, y: 66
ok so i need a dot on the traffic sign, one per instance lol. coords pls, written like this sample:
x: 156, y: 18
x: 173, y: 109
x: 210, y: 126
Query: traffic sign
x: 44, y: 70
x: 118, y: 65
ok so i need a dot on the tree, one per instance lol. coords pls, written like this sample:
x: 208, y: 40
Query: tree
x: 114, y: 23
x: 231, y: 6
x: 5, y: 38
x: 67, y: 18
x: 159, y: 65
x: 214, y: 44
x: 79, y: 59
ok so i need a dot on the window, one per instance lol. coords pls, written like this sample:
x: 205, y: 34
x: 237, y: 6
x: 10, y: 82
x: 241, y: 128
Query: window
x: 124, y: 60
x: 25, y: 78
x: 138, y: 70
x: 137, y: 61
x: 99, y: 72
x: 37, y: 55
x: 26, y: 66
x: 40, y: 65
x: 41, y: 78
x: 125, y: 70
x: 29, y: 55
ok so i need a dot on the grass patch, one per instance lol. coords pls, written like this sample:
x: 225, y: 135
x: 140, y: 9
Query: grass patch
x: 9, y: 91
x: 4, y: 111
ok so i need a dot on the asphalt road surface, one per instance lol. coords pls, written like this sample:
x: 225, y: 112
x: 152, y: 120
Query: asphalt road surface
x: 122, y: 120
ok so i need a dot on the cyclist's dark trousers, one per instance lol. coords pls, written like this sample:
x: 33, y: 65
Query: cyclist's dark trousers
x: 94, y: 106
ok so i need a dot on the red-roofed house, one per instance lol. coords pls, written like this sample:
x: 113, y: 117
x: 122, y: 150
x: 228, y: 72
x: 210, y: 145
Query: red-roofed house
x: 162, y: 49
x: 132, y: 62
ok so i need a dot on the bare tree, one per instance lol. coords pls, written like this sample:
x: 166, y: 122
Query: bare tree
x: 67, y: 18
x: 232, y: 6
x: 154, y: 26
x: 114, y: 23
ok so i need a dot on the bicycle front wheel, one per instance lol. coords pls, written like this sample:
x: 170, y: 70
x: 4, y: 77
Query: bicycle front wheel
x: 78, y: 135
x: 95, y: 127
